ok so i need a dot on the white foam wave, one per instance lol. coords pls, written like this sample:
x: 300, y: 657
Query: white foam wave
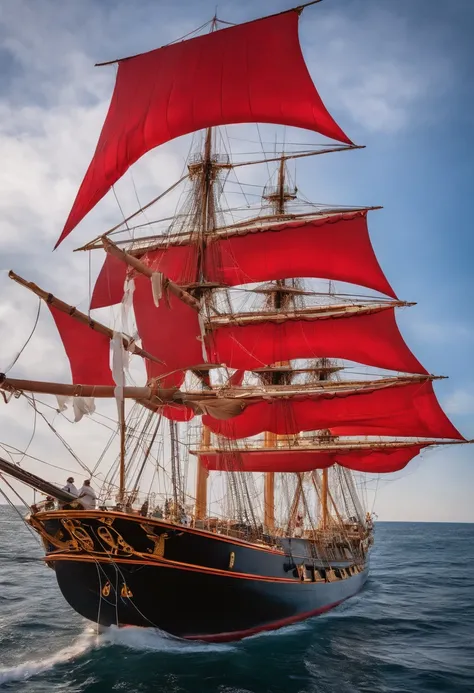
x: 144, y: 639
x: 285, y: 631
x: 26, y: 670
x: 153, y: 639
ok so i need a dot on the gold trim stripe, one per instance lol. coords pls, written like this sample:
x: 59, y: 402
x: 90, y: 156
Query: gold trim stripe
x: 99, y: 514
x: 163, y: 563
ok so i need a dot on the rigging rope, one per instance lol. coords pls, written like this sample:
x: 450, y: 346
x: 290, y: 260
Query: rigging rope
x: 15, y: 508
x: 58, y: 435
x: 27, y: 341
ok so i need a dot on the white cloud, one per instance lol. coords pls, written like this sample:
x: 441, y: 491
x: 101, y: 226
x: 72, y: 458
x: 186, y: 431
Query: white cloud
x: 377, y: 68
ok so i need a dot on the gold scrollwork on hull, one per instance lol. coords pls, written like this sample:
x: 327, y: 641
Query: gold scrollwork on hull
x: 106, y: 589
x: 56, y: 540
x: 107, y: 520
x: 231, y: 560
x: 158, y: 541
x: 126, y: 591
x: 113, y: 539
x: 78, y: 532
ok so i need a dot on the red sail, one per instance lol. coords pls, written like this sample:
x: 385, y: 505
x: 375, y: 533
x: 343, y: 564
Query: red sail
x: 178, y: 263
x: 410, y: 410
x: 88, y: 351
x: 169, y: 332
x: 371, y: 338
x: 374, y: 460
x: 252, y: 72
x: 177, y: 412
x: 336, y: 247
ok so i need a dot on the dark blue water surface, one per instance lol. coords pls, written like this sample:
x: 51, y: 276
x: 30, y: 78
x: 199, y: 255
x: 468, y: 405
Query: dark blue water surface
x: 410, y: 631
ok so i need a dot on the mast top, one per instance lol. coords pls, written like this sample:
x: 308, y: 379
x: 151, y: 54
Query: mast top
x: 213, y: 23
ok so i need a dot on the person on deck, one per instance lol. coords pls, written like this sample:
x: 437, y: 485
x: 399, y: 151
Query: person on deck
x: 298, y: 526
x: 70, y: 488
x: 87, y: 496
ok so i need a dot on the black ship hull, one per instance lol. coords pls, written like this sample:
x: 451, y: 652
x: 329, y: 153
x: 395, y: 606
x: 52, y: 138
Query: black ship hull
x: 126, y: 570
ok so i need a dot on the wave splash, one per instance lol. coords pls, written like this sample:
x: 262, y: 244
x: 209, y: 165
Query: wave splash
x: 143, y: 639
x: 26, y: 670
x: 157, y: 641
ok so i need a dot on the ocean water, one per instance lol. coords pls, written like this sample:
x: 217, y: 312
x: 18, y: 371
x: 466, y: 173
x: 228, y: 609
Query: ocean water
x: 410, y: 631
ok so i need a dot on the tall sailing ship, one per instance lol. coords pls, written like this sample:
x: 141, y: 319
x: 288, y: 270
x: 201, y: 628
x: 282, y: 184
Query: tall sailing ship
x: 233, y: 503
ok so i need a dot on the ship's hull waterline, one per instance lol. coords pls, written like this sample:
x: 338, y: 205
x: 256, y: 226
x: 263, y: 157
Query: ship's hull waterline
x: 127, y: 570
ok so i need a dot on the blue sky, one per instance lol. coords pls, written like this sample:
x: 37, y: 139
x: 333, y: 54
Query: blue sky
x: 397, y: 76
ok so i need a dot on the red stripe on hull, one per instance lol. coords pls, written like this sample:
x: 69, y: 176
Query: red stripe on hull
x: 240, y: 634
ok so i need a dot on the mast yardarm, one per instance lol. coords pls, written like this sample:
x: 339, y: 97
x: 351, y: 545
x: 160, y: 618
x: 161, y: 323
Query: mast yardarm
x: 369, y: 337
x: 253, y: 72
x: 401, y: 409
x: 335, y: 247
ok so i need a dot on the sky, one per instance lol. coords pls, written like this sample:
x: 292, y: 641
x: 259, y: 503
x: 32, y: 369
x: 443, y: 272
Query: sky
x: 397, y: 77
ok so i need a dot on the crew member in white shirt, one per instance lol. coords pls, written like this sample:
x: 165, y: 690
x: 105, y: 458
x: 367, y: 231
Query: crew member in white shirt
x: 70, y: 488
x: 87, y: 496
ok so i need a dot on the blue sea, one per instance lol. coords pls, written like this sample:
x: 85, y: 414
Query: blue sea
x: 410, y: 631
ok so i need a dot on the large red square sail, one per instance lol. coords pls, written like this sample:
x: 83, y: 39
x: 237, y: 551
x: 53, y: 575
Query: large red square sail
x: 334, y: 247
x: 408, y: 410
x: 249, y: 73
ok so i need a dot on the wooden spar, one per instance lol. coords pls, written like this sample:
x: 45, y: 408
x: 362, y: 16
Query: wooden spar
x: 253, y: 225
x: 310, y: 313
x: 81, y: 317
x: 35, y: 482
x: 314, y: 388
x: 155, y: 395
x: 337, y: 446
x: 299, y: 9
x: 101, y: 391
x: 250, y: 225
x: 140, y: 267
x: 91, y: 245
x: 296, y: 155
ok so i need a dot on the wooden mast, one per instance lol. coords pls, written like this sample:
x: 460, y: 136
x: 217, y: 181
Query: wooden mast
x: 207, y: 222
x: 201, y: 479
x: 324, y: 499
x: 123, y: 431
x: 270, y: 440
